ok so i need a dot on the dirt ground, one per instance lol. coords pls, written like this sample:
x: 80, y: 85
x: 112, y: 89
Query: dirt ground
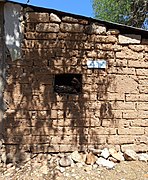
x: 126, y: 170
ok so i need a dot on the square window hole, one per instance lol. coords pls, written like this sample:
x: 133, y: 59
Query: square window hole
x: 68, y: 83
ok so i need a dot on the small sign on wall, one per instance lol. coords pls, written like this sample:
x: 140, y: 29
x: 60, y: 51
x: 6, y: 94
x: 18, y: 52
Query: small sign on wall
x: 96, y: 64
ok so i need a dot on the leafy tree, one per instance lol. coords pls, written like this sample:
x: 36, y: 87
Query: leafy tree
x: 129, y: 12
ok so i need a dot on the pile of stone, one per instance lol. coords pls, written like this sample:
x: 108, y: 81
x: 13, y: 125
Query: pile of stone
x: 107, y: 158
x: 51, y: 164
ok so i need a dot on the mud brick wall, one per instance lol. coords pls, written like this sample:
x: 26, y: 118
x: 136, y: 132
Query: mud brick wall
x: 110, y: 110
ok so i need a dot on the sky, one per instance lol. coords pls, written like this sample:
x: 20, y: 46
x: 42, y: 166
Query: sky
x: 80, y: 7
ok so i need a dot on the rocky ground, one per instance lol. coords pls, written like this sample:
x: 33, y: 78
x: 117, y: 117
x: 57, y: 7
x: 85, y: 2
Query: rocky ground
x: 100, y: 165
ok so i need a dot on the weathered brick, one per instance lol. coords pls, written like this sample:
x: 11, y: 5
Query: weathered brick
x: 135, y: 147
x: 102, y: 39
x: 113, y: 31
x: 131, y: 131
x: 146, y: 130
x: 143, y: 89
x: 36, y: 36
x: 127, y: 53
x: 135, y: 114
x: 61, y: 131
x: 98, y: 139
x: 123, y: 105
x: 95, y: 28
x: 69, y: 19
x: 120, y: 83
x: 138, y: 64
x: 136, y: 97
x: 74, y: 28
x: 120, y: 139
x: 44, y: 148
x: 139, y: 123
x: 47, y: 27
x: 72, y: 37
x: 115, y: 96
x: 40, y: 44
x: 37, y: 17
x: 142, y: 105
x: 102, y: 131
x: 142, y: 72
x: 137, y: 48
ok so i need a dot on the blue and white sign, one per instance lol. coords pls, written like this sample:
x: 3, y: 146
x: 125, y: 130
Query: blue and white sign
x: 96, y: 64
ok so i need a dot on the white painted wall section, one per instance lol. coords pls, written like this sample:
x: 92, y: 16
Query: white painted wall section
x: 13, y: 29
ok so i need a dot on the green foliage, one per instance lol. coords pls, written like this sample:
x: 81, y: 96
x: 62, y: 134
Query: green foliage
x: 129, y: 12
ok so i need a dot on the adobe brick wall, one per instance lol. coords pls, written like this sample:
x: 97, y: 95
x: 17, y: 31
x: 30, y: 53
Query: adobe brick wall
x: 112, y: 109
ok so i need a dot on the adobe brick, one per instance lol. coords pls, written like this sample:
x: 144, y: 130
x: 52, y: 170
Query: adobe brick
x: 95, y: 28
x: 115, y: 96
x: 120, y: 105
x: 69, y: 19
x: 18, y: 131
x: 138, y: 64
x: 71, y: 148
x: 102, y: 131
x: 98, y: 139
x: 35, y: 35
x: 47, y: 27
x: 137, y: 97
x: 120, y: 139
x: 73, y: 28
x: 102, y: 39
x: 127, y: 53
x: 138, y: 148
x: 142, y: 72
x: 146, y: 130
x: 136, y: 114
x: 37, y: 17
x: 137, y: 48
x: 139, y: 123
x: 44, y: 148
x: 143, y: 89
x: 61, y: 131
x: 131, y: 131
x: 72, y: 37
x: 30, y: 27
x: 113, y: 31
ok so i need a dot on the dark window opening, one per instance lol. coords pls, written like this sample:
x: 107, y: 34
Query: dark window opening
x: 68, y: 83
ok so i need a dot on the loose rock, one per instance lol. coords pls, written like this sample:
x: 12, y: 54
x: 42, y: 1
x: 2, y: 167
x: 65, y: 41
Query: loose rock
x: 90, y: 158
x: 143, y: 157
x: 130, y: 155
x: 106, y: 163
x: 54, y: 18
x: 105, y: 153
x: 77, y: 157
x: 65, y: 161
x: 117, y: 155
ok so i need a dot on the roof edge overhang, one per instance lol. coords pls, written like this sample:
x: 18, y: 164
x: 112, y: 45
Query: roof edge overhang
x: 124, y: 29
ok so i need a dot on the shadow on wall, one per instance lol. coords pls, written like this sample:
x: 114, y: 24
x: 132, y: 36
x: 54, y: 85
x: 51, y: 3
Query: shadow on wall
x: 41, y: 120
